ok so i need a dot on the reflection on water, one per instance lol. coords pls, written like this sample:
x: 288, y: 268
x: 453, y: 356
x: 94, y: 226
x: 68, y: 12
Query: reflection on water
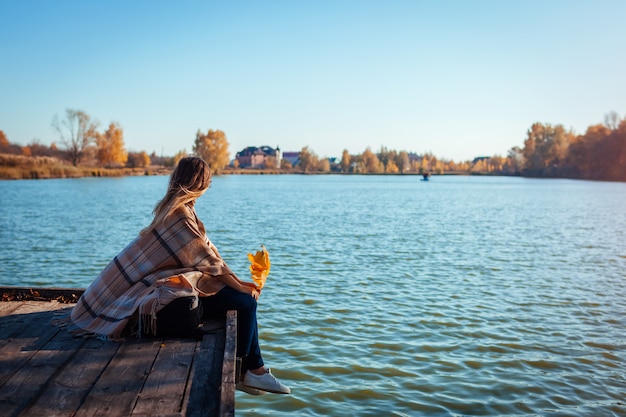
x: 388, y: 295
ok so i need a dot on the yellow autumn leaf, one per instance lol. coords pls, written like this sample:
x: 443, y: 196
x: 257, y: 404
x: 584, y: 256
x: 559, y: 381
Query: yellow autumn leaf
x: 259, y: 266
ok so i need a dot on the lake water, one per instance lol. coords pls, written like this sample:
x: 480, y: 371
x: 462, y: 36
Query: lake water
x: 388, y: 295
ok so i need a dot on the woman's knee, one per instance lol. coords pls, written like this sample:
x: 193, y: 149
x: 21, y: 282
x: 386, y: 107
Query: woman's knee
x: 242, y: 301
x: 248, y: 303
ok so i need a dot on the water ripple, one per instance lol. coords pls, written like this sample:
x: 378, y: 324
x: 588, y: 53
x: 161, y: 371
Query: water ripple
x: 388, y: 296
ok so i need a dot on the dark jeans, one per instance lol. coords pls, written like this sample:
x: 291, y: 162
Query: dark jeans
x: 179, y: 319
x: 247, y: 334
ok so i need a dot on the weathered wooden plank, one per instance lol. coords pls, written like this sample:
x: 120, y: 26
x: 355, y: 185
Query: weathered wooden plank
x: 227, y: 397
x: 20, y: 314
x: 117, y: 390
x: 27, y: 334
x: 48, y: 372
x: 23, y: 387
x: 69, y: 388
x: 7, y: 308
x: 212, y: 325
x: 164, y: 389
x: 206, y: 372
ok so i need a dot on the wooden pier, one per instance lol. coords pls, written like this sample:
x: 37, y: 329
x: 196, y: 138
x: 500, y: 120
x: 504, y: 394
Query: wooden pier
x: 45, y: 371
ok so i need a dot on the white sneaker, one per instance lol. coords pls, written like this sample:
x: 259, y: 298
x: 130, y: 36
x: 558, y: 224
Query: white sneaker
x: 265, y: 382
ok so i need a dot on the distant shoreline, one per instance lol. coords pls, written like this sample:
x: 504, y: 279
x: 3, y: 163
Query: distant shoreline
x: 91, y: 172
x: 32, y: 168
x: 38, y: 173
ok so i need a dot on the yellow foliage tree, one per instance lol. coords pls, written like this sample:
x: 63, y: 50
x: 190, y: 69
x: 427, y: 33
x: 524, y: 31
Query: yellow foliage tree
x: 345, y: 161
x: 372, y: 163
x: 110, y: 146
x: 402, y: 161
x: 179, y: 155
x: 391, y: 167
x: 144, y: 159
x: 138, y: 159
x: 323, y: 165
x: 424, y: 165
x: 284, y: 164
x: 213, y: 148
x: 3, y: 139
x: 308, y: 160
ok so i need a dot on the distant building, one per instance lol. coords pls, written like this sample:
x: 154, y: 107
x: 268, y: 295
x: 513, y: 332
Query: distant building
x: 261, y: 157
x: 481, y: 158
x: 413, y: 157
x: 292, y: 157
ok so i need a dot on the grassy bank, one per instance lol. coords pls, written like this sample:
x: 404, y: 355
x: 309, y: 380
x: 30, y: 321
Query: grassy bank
x: 17, y: 167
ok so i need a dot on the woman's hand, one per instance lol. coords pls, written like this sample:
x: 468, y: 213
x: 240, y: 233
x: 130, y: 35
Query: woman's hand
x: 250, y: 289
x: 245, y: 287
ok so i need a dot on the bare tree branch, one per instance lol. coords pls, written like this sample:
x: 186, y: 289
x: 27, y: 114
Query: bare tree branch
x: 76, y: 132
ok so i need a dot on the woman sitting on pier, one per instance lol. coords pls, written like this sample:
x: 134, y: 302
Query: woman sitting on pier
x: 170, y: 277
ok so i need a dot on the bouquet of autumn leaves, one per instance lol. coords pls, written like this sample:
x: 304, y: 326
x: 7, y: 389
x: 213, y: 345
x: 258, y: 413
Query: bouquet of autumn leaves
x: 259, y: 266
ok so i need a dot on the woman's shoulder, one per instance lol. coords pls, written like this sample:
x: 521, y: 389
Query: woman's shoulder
x: 184, y: 211
x: 186, y: 215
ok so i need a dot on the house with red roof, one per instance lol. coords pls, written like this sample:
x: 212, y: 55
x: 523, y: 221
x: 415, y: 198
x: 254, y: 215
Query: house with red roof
x: 259, y: 157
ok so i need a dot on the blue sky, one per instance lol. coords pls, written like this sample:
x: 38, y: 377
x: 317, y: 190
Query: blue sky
x: 455, y: 78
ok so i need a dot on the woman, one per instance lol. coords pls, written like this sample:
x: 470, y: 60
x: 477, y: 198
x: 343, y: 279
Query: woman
x: 170, y: 277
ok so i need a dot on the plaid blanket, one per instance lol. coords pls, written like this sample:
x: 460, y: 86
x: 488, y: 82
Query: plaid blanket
x: 175, y: 260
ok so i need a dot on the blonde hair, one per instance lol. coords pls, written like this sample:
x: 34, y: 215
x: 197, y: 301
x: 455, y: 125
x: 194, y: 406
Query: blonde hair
x: 189, y: 180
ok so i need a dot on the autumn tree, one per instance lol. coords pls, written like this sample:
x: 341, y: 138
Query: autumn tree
x: 179, y: 155
x: 323, y: 165
x: 371, y: 162
x: 138, y: 159
x: 384, y: 156
x: 4, y: 142
x: 496, y: 163
x: 479, y: 166
x: 144, y: 159
x: 391, y: 167
x: 402, y: 162
x: 430, y: 163
x: 345, y: 161
x: 76, y: 131
x: 110, y: 146
x: 308, y: 160
x: 586, y: 158
x: 424, y: 165
x: 285, y: 164
x: 545, y: 148
x: 393, y: 157
x: 515, y: 158
x: 551, y: 151
x: 388, y: 160
x: 612, y: 120
x: 39, y: 149
x: 616, y: 148
x: 213, y: 148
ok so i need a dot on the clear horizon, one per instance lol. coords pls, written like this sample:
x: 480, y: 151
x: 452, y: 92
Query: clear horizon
x: 458, y: 79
